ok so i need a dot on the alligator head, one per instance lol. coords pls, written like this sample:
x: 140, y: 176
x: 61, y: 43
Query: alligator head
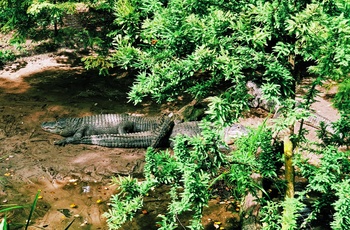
x: 233, y: 132
x: 61, y: 127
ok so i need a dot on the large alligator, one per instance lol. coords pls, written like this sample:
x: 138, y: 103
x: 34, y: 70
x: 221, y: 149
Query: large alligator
x: 118, y: 130
x: 76, y: 128
x: 124, y: 131
x: 158, y: 138
x: 256, y: 92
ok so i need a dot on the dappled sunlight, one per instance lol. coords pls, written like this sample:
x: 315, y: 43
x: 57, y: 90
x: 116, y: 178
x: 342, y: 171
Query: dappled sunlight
x: 13, y: 86
x: 13, y: 74
x: 33, y: 64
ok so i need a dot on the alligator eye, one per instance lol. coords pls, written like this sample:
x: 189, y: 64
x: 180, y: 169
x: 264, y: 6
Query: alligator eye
x: 59, y: 124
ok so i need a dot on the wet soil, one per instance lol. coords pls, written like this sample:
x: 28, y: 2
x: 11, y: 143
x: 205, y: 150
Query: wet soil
x: 75, y: 180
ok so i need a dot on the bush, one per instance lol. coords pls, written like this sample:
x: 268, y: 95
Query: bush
x: 6, y: 56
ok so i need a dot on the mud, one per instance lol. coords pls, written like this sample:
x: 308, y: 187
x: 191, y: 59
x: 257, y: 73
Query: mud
x: 45, y: 87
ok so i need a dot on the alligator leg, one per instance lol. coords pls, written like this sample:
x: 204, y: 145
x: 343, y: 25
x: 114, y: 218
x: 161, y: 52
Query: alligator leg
x: 78, y: 135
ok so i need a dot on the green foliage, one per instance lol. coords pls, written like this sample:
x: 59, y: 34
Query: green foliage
x: 46, y: 13
x: 243, y: 164
x: 245, y: 161
x: 223, y: 112
x: 92, y: 42
x: 291, y: 211
x: 272, y: 219
x: 32, y: 208
x: 12, y: 207
x: 322, y: 31
x: 328, y: 180
x: 97, y: 62
x: 103, y: 5
x: 342, y: 205
x: 41, y: 19
x: 196, y: 166
x: 122, y: 211
x: 333, y: 167
x: 342, y: 99
x: 6, y: 56
x: 13, y: 16
x: 174, y: 50
x: 194, y: 163
x: 195, y: 47
x: 188, y: 171
x: 125, y: 203
x: 341, y: 135
x: 270, y: 157
x: 4, y: 225
x: 271, y: 216
x: 211, y: 48
x: 192, y: 171
x: 162, y: 166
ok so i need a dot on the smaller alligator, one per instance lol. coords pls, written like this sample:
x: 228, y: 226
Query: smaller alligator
x: 192, y: 128
x: 76, y: 128
x: 256, y: 92
x: 157, y: 138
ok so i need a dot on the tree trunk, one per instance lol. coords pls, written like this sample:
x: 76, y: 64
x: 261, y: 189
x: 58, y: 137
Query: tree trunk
x: 56, y: 30
x: 55, y: 23
x: 289, y: 168
x: 289, y: 176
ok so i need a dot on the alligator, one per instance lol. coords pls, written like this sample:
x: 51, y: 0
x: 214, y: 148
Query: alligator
x: 121, y: 130
x: 125, y: 131
x: 154, y: 138
x: 192, y: 128
x: 258, y: 101
x: 76, y: 128
x: 159, y: 137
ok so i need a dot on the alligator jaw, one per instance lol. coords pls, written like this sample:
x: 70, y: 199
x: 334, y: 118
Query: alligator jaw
x: 55, y: 127
x: 50, y: 126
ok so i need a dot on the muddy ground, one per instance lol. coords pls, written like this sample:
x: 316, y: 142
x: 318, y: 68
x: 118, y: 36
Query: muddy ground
x: 46, y: 87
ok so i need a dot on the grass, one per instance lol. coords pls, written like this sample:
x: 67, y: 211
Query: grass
x: 4, y: 225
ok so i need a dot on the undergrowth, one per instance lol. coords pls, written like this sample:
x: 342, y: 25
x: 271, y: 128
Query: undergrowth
x: 4, y: 225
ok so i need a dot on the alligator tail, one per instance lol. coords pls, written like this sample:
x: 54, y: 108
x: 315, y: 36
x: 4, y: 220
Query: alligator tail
x: 128, y: 140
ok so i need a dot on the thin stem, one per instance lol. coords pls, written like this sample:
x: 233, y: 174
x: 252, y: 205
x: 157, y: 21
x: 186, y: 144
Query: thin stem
x: 308, y: 99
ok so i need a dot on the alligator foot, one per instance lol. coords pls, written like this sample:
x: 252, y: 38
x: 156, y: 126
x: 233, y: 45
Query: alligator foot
x: 60, y: 142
